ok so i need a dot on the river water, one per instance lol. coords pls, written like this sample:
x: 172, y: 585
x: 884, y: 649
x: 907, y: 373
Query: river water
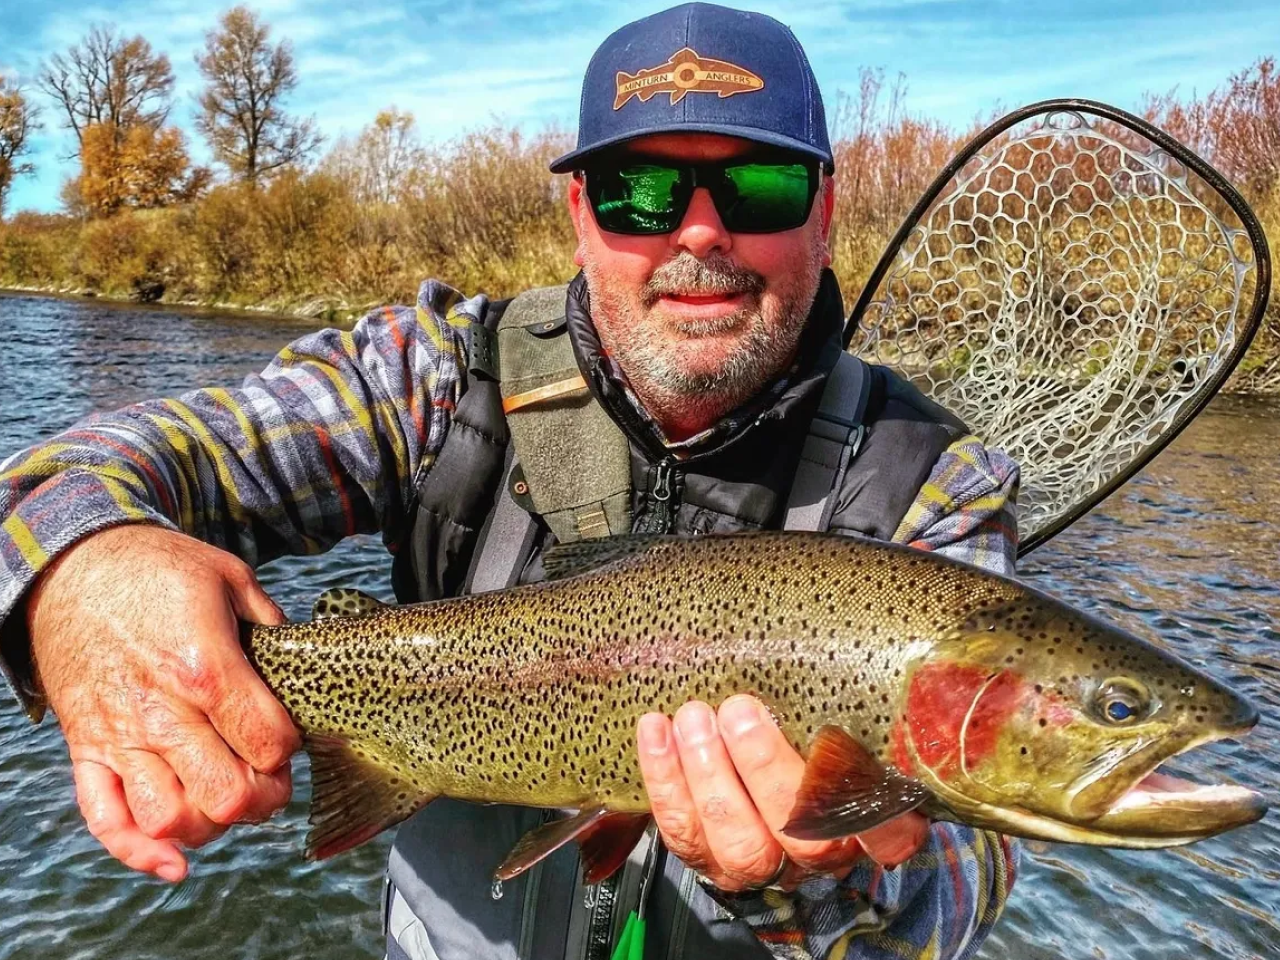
x: 1186, y: 553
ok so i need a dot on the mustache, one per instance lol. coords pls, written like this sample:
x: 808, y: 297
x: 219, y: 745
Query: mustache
x: 712, y: 276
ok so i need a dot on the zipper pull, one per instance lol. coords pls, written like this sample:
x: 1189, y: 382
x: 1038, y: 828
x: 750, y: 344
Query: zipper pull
x: 661, y: 514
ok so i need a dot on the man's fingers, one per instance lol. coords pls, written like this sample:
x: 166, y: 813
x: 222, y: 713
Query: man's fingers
x: 159, y: 804
x: 897, y: 841
x: 222, y: 684
x: 101, y: 797
x: 250, y: 601
x: 737, y: 837
x: 669, y: 797
x: 221, y: 785
x: 772, y: 771
x: 252, y: 721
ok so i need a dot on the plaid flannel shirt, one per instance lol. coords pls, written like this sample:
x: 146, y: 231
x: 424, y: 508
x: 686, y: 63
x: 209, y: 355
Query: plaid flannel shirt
x: 330, y: 440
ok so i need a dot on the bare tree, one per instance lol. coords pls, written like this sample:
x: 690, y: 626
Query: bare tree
x: 17, y: 121
x: 241, y: 114
x: 376, y: 166
x: 109, y: 79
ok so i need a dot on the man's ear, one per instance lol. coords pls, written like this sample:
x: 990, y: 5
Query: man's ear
x: 577, y: 213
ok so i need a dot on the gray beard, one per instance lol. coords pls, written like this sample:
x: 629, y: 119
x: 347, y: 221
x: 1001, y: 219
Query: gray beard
x: 654, y: 369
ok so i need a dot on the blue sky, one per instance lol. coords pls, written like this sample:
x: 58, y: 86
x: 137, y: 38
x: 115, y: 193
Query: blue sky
x: 460, y: 64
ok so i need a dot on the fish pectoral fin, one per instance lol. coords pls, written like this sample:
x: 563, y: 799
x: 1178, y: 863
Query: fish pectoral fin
x: 570, y: 559
x: 354, y: 796
x: 846, y: 790
x: 344, y: 602
x: 601, y: 833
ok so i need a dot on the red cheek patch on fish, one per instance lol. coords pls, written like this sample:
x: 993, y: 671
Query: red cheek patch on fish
x: 955, y: 714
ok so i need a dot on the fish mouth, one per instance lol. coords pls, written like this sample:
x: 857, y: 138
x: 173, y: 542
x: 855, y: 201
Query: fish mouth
x: 1161, y: 810
x: 1158, y: 810
x: 1168, y: 810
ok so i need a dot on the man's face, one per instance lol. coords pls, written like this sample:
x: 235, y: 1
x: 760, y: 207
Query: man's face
x: 700, y: 318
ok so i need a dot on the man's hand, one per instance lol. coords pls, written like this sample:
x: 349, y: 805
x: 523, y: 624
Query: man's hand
x: 722, y: 786
x: 172, y: 734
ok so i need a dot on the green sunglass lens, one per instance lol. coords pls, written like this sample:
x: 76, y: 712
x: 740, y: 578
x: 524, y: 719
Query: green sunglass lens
x: 767, y: 197
x: 637, y: 199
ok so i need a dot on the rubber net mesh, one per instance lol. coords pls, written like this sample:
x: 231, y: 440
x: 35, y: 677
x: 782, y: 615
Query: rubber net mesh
x: 1071, y: 295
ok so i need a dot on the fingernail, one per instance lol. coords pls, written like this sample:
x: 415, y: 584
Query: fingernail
x: 740, y: 715
x: 173, y: 872
x: 695, y: 724
x: 652, y: 735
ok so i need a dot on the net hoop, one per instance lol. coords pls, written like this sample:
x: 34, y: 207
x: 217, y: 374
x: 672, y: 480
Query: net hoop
x: 1076, y: 285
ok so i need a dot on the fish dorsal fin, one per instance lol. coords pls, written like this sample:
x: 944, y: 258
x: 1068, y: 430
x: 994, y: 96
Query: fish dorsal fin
x: 354, y: 795
x: 846, y: 790
x: 606, y: 839
x: 584, y: 556
x: 344, y: 602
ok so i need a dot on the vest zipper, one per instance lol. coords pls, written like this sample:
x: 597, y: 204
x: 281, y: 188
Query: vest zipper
x: 661, y: 515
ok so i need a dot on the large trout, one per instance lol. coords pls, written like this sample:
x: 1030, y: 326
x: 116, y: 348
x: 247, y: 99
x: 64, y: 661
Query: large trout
x: 907, y: 679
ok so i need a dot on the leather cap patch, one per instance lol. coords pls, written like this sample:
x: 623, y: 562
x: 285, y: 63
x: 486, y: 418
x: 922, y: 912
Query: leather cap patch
x: 686, y: 72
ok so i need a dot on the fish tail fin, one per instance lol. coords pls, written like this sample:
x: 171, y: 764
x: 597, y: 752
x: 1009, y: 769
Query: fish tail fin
x: 606, y: 838
x: 354, y: 796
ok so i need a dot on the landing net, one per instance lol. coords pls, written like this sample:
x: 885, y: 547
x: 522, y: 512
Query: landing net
x: 1075, y: 286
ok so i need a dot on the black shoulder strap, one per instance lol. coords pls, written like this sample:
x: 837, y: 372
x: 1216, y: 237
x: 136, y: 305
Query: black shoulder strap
x: 906, y: 434
x: 835, y: 435
x: 455, y: 497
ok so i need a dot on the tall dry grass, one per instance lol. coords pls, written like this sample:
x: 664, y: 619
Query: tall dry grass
x: 484, y: 214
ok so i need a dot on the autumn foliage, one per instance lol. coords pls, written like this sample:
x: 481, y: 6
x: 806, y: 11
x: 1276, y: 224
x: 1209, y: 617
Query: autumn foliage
x: 141, y: 168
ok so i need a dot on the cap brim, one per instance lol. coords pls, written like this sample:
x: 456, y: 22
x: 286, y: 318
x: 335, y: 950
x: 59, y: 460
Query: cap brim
x: 574, y: 160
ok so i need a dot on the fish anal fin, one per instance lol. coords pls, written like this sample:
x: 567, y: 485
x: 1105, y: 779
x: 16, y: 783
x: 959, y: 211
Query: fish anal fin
x: 540, y: 842
x: 354, y: 796
x: 846, y: 790
x: 344, y: 602
x: 584, y: 556
x: 607, y: 843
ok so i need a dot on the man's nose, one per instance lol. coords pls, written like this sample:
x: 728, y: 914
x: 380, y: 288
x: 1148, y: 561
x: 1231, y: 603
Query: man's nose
x: 702, y: 231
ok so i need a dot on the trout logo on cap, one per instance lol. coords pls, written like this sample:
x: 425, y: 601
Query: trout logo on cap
x: 686, y: 72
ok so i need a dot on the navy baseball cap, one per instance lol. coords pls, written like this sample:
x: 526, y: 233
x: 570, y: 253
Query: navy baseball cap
x: 701, y: 68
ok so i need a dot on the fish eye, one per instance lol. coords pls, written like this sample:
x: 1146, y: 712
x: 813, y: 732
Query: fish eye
x: 1120, y: 702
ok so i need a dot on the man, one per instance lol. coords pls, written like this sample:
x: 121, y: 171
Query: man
x: 705, y: 325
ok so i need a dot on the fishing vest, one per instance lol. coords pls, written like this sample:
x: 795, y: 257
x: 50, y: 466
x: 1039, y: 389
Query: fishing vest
x: 534, y: 457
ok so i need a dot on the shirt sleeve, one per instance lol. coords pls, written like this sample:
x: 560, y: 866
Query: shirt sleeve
x: 942, y: 903
x: 324, y: 443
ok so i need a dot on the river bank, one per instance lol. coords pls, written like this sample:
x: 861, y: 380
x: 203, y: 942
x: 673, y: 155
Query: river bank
x: 329, y: 311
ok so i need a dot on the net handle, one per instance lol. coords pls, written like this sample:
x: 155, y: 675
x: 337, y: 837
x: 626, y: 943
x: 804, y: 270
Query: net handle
x: 1185, y: 156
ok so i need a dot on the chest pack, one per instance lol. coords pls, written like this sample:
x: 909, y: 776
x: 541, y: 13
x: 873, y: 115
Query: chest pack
x: 532, y: 458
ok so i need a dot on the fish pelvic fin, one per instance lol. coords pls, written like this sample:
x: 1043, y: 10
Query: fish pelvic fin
x: 344, y: 602
x: 606, y: 846
x: 606, y: 838
x: 846, y: 790
x: 354, y: 796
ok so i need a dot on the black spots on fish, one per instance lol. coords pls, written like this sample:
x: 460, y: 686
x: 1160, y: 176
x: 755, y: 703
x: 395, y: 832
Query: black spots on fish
x: 1023, y: 751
